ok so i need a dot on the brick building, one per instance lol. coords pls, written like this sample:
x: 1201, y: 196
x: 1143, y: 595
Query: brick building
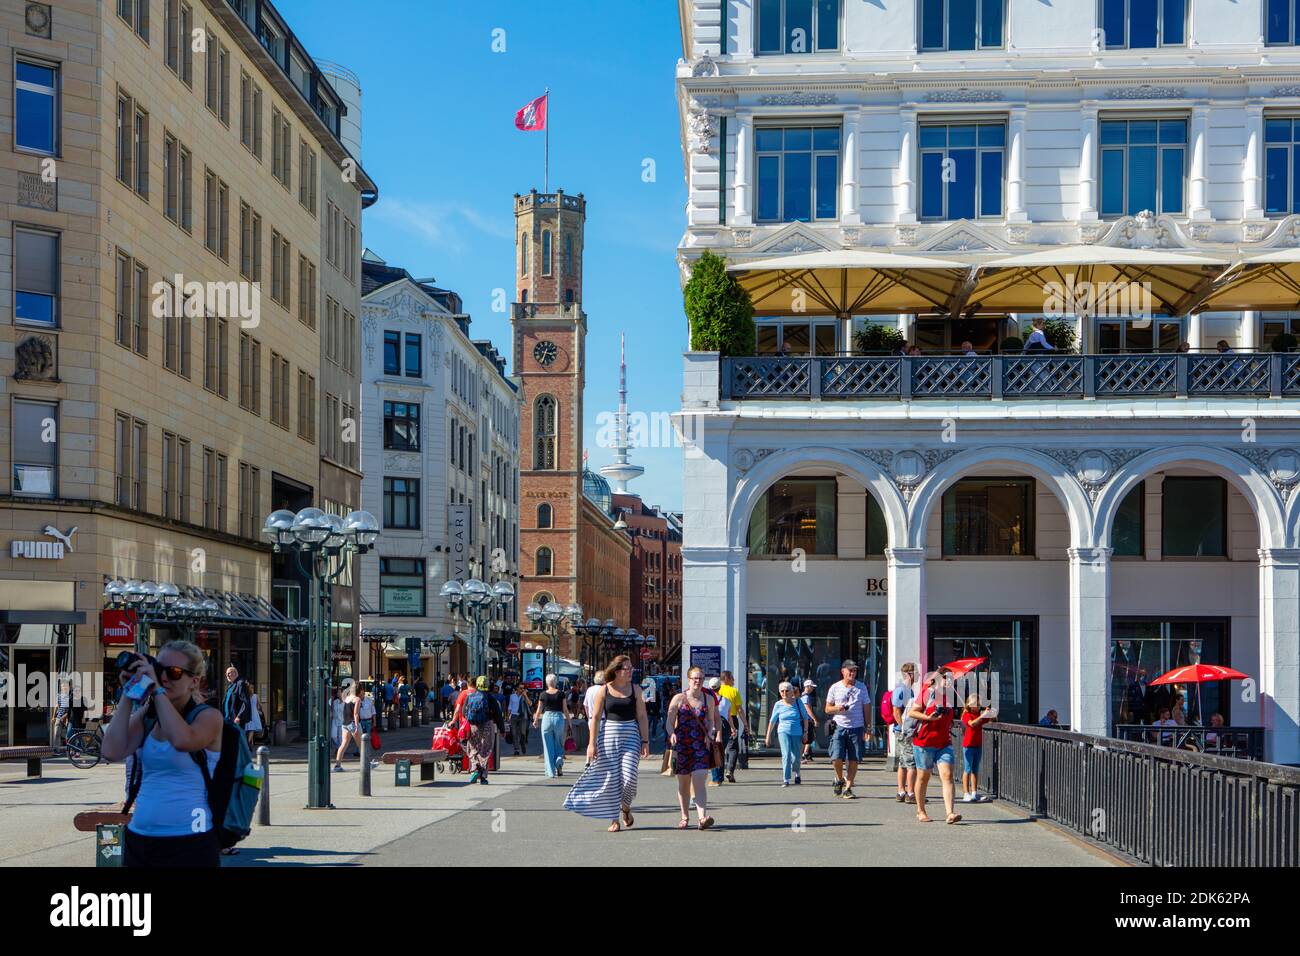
x: 655, y: 574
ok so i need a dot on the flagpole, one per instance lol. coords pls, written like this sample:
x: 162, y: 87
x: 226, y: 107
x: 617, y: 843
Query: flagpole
x: 546, y: 161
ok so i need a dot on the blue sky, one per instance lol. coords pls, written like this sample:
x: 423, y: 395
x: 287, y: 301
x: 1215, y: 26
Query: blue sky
x: 438, y: 136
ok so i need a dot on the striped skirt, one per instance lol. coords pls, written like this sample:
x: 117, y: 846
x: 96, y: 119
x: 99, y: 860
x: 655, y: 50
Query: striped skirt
x: 609, y: 783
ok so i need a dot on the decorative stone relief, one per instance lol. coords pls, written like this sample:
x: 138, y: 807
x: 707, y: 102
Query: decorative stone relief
x: 1282, y: 466
x: 34, y: 359
x: 435, y: 342
x: 701, y: 128
x: 38, y: 19
x: 401, y: 463
x: 1090, y: 232
x: 1285, y: 91
x: 797, y: 99
x: 37, y: 193
x: 1017, y: 234
x: 705, y: 66
x: 1146, y: 92
x: 743, y: 237
x: 963, y: 95
x: 368, y: 338
x: 907, y: 235
x: 1200, y: 231
x: 850, y: 237
x: 906, y: 468
x: 1255, y: 231
x: 742, y: 460
x: 1093, y: 468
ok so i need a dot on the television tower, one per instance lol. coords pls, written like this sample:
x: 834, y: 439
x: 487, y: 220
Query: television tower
x: 621, y: 471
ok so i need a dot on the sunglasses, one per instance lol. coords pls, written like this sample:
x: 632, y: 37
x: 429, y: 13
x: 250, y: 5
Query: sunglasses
x: 174, y: 673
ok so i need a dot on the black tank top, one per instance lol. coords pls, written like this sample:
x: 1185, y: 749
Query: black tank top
x: 553, y: 700
x: 621, y: 709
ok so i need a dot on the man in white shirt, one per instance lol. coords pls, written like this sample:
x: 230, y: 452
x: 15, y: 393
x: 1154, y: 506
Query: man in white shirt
x: 589, y: 700
x: 650, y: 692
x: 519, y: 716
x: 849, y: 704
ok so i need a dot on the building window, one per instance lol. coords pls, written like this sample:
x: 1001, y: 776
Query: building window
x: 250, y: 500
x: 187, y: 190
x: 401, y: 587
x: 218, y: 79
x: 349, y: 341
x: 307, y: 176
x: 545, y: 516
x: 1281, y: 166
x: 797, y: 337
x: 1143, y: 24
x: 392, y: 353
x: 176, y: 477
x: 125, y: 153
x: 306, y: 292
x: 140, y: 152
x: 132, y: 443
x: 544, y: 433
x: 1142, y: 166
x: 133, y: 305
x: 250, y: 115
x: 989, y: 517
x: 1156, y: 646
x: 877, y: 530
x: 281, y: 148
x: 546, y: 252
x: 794, y: 513
x: 216, y: 355
x: 402, y: 503
x: 36, y: 277
x: 306, y: 406
x: 250, y: 373
x: 401, y: 426
x: 543, y: 562
x: 1194, y: 520
x: 35, y: 448
x: 414, y: 367
x: 798, y: 26
x: 215, y: 490
x: 36, y: 107
x: 1161, y: 334
x: 568, y: 260
x: 179, y: 53
x: 171, y: 177
x: 176, y: 333
x: 279, y: 391
x: 1282, y: 22
x: 1128, y: 533
x: 523, y: 254
x: 798, y: 173
x: 962, y: 169
x: 961, y: 24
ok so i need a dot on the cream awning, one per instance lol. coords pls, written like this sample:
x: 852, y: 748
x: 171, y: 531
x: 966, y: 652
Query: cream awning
x: 1267, y: 281
x: 851, y: 282
x: 1179, y: 281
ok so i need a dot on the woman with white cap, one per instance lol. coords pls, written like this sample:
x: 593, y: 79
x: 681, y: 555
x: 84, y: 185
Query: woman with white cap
x: 808, y: 702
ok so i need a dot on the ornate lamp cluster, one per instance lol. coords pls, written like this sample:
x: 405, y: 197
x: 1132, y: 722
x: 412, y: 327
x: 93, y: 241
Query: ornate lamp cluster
x: 157, y: 601
x: 474, y: 601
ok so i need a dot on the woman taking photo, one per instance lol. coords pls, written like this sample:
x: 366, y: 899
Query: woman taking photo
x: 553, y: 717
x: 693, y: 731
x: 164, y: 734
x: 619, y: 739
x: 932, y: 744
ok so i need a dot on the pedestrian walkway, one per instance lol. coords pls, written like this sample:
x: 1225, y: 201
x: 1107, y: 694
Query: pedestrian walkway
x: 517, y: 819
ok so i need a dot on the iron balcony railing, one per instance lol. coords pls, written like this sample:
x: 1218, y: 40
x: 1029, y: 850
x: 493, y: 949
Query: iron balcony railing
x: 1013, y: 376
x: 1244, y: 743
x: 1159, y: 805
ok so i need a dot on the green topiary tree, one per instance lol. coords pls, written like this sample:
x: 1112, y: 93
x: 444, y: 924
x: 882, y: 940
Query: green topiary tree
x: 720, y: 312
x: 873, y: 337
x: 1060, y: 333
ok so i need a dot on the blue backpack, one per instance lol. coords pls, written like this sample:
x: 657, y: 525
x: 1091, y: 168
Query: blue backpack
x: 233, y: 788
x: 476, y: 708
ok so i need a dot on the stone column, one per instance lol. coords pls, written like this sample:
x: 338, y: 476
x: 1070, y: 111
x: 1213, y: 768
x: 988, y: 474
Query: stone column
x: 713, y: 603
x: 1090, y: 640
x: 1279, y: 653
x: 1249, y: 332
x: 906, y: 197
x: 907, y: 641
x: 1197, y: 208
x: 1016, y: 168
x: 744, y: 149
x: 1195, y: 331
x: 850, y: 215
x: 1087, y: 166
x: 1251, y: 181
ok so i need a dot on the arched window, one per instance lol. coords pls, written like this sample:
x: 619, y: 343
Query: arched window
x: 568, y: 296
x: 546, y: 252
x: 568, y: 255
x: 543, y: 562
x: 523, y: 295
x: 544, y: 433
x: 523, y: 254
x: 543, y: 599
x: 545, y: 517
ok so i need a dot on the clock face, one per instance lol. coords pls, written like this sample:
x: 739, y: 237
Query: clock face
x: 545, y: 352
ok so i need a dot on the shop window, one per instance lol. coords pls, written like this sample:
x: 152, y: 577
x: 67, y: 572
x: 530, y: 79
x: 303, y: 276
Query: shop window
x: 989, y: 517
x: 1194, y: 518
x: 795, y: 513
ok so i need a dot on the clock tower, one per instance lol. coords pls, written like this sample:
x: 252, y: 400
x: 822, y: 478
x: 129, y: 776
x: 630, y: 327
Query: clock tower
x: 549, y: 357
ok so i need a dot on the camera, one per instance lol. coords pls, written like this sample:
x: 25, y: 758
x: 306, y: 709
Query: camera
x: 128, y: 658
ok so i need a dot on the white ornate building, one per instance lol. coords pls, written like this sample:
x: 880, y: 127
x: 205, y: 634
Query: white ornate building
x: 1139, y: 517
x: 440, y: 453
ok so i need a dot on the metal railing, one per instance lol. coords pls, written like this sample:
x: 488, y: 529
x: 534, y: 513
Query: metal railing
x: 1244, y: 743
x: 1156, y: 804
x: 1011, y: 376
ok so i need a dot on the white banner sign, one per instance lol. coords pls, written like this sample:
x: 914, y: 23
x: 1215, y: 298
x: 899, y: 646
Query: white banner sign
x: 458, y: 518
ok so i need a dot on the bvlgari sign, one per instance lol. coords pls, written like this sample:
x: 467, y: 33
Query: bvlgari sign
x: 458, y: 518
x: 44, y: 550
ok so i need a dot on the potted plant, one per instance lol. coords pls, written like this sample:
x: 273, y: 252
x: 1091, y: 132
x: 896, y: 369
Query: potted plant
x: 1013, y: 343
x: 719, y: 310
x: 1284, y: 342
x: 1060, y: 334
x: 874, y: 338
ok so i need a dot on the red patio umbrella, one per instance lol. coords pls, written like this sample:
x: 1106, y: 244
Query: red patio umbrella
x: 1199, y: 674
x: 962, y: 666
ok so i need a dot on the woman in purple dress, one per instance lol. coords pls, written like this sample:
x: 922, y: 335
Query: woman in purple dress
x: 692, y: 727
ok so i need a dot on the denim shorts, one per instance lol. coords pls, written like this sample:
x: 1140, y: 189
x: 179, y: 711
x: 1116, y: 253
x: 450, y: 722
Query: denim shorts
x: 971, y: 758
x: 847, y: 743
x: 928, y: 758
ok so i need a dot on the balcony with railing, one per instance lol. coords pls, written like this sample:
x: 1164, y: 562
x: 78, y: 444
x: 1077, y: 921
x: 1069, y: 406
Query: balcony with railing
x: 1013, y: 376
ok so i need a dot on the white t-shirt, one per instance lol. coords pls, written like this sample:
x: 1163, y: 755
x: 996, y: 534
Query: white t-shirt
x: 589, y: 701
x: 515, y: 702
x: 648, y: 690
x: 724, y: 707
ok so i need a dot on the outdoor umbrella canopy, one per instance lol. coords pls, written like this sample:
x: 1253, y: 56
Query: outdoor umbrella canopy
x: 1265, y: 281
x: 1199, y: 674
x: 1179, y: 281
x: 963, y: 665
x: 852, y: 282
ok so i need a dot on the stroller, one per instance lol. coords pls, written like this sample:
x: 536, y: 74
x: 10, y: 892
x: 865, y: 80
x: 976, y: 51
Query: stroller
x: 444, y: 738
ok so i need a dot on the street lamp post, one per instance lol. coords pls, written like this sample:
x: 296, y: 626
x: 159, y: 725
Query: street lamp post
x: 550, y: 620
x: 155, y: 602
x: 316, y: 540
x: 474, y: 601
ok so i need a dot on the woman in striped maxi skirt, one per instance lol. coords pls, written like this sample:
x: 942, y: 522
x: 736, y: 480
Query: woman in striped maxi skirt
x: 620, y: 737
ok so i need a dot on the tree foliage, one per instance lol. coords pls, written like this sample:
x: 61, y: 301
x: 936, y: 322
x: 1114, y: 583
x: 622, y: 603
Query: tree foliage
x: 720, y: 312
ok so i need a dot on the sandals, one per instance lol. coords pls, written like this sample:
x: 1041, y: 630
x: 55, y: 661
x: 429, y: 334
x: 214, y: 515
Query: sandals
x: 683, y: 823
x: 954, y: 818
x: 613, y: 827
x: 706, y: 823
x: 923, y: 818
x: 628, y: 819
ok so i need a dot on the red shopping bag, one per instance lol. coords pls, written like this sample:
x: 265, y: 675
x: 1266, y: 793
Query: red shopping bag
x: 375, y: 743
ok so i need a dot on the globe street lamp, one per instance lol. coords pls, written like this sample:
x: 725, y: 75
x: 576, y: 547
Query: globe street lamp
x: 157, y: 603
x: 550, y: 620
x: 475, y: 602
x: 320, y: 544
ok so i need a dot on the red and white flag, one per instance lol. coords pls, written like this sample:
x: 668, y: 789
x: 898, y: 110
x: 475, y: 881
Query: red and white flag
x: 533, y: 116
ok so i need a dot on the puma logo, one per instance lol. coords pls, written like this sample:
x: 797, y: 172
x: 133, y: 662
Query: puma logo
x: 54, y: 532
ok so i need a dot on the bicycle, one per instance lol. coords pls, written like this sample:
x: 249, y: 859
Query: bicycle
x: 83, y: 746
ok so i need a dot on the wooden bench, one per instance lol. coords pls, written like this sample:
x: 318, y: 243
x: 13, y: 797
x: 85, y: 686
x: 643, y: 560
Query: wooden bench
x: 33, y: 756
x: 425, y: 759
